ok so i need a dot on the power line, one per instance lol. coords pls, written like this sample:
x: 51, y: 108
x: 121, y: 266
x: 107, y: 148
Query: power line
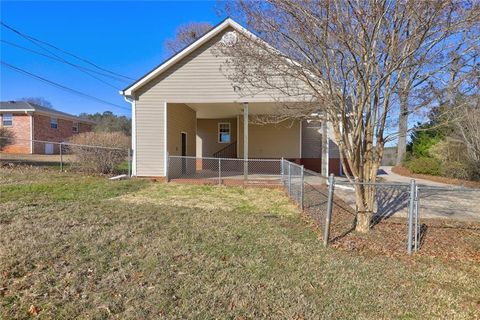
x: 64, y: 51
x: 37, y: 43
x: 61, y: 60
x: 85, y: 95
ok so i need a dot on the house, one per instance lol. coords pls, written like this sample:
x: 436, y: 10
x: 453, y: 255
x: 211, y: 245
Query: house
x: 29, y: 122
x: 186, y: 106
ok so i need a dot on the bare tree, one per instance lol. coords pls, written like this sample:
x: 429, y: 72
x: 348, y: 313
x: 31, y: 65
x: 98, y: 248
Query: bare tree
x: 466, y: 122
x: 346, y: 60
x: 186, y: 34
x: 38, y: 101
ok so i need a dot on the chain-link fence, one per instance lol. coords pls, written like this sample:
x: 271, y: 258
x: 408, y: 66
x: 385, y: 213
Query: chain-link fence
x: 390, y: 213
x: 440, y: 203
x: 224, y: 170
x: 318, y: 201
x: 232, y: 171
x: 66, y: 156
x: 293, y: 181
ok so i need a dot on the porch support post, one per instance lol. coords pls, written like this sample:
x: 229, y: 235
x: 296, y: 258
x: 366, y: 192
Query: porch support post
x: 245, y: 140
x: 325, y: 151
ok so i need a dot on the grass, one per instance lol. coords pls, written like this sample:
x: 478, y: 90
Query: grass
x: 74, y: 246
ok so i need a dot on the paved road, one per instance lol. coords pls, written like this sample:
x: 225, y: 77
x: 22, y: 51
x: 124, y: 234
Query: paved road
x: 388, y: 176
x: 437, y: 200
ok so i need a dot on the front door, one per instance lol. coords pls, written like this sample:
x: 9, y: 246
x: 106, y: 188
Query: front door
x: 184, y: 152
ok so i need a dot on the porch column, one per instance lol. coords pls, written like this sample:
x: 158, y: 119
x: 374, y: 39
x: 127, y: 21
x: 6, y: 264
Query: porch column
x: 325, y: 152
x: 245, y: 140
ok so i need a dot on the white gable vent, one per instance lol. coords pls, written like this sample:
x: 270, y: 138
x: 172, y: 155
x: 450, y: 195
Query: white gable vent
x: 229, y: 39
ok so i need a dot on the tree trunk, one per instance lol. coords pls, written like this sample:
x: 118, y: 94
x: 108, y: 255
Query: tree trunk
x: 365, y: 202
x: 365, y: 194
x: 402, y: 128
x: 363, y: 215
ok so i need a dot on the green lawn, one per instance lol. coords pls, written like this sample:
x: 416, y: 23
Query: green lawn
x: 74, y: 246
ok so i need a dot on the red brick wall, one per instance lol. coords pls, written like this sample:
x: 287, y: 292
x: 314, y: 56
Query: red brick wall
x: 21, y: 129
x: 43, y: 131
x: 315, y: 164
x: 84, y: 127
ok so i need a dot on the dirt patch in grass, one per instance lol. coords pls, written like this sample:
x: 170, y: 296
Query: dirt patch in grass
x: 458, y: 182
x: 101, y: 255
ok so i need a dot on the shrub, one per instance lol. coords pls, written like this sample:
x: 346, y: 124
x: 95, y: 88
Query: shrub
x: 97, y: 159
x: 425, y: 165
x: 455, y: 169
x: 422, y: 142
x: 6, y: 137
x: 474, y: 170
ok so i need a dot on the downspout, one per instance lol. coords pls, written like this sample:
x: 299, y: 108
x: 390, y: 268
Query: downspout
x: 134, y: 134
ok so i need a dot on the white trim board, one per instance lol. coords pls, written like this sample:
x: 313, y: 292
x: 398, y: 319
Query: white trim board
x: 165, y: 140
x: 134, y: 139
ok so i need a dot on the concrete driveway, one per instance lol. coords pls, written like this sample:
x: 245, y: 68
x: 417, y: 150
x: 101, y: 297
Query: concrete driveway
x: 437, y: 200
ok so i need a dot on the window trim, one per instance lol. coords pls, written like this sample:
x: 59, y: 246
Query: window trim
x: 51, y: 123
x: 3, y: 120
x: 229, y: 132
x: 77, y: 126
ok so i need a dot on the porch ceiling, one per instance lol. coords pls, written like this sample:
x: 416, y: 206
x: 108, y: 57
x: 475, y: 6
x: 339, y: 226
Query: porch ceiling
x: 230, y: 110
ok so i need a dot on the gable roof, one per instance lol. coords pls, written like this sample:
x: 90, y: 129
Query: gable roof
x: 228, y: 22
x: 24, y: 106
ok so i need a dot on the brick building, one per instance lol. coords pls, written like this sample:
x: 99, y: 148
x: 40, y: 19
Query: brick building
x: 29, y: 122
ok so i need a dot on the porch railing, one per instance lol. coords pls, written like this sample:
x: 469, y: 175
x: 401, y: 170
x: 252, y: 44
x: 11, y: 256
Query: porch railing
x: 229, y: 151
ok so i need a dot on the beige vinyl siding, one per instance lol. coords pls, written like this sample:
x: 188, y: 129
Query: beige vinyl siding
x: 150, y: 137
x: 207, y: 135
x: 312, y: 141
x: 333, y: 150
x: 180, y: 118
x: 271, y: 140
x: 197, y: 78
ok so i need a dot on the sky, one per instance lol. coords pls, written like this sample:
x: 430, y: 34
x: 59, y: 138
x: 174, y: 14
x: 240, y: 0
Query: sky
x: 123, y: 37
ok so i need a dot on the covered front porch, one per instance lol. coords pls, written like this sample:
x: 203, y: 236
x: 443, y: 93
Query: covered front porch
x: 200, y: 133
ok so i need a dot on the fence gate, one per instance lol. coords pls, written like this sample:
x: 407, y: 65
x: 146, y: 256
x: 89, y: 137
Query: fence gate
x: 440, y: 203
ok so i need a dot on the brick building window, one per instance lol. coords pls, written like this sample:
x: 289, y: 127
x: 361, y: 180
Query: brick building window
x: 7, y: 119
x: 53, y: 123
x: 75, y: 127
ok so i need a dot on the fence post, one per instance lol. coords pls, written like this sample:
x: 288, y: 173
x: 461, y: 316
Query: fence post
x: 167, y: 168
x: 410, y: 216
x: 61, y: 156
x: 282, y: 169
x: 417, y: 219
x: 129, y: 162
x: 219, y: 171
x: 289, y: 180
x: 302, y: 187
x: 328, y: 218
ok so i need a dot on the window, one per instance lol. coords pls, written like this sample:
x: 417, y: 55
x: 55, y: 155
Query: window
x: 224, y: 132
x: 7, y: 119
x: 75, y: 127
x: 53, y: 123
